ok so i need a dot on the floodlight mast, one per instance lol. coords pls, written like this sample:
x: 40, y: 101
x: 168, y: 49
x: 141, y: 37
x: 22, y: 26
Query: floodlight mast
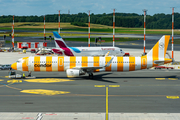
x: 89, y: 31
x: 59, y: 23
x: 44, y: 28
x: 113, y: 26
x: 172, y: 32
x: 13, y: 32
x: 144, y: 30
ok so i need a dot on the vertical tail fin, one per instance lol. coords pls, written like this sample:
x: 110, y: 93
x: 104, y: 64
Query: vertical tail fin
x: 160, y: 48
x: 59, y: 42
x: 157, y: 54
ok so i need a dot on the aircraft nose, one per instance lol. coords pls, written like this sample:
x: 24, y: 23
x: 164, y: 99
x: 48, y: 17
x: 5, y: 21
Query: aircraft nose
x: 14, y: 66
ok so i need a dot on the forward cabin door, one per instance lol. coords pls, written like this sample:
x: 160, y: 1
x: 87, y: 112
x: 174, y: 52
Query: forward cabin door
x: 31, y: 64
x: 61, y: 63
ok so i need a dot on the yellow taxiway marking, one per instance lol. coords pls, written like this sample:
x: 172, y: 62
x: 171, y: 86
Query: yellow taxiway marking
x: 114, y: 85
x: 172, y: 97
x: 14, y: 81
x: 122, y: 44
x: 173, y: 78
x: 1, y: 80
x: 134, y: 44
x: 160, y: 78
x: 6, y: 76
x: 99, y: 85
x: 44, y: 92
x: 105, y: 85
x: 13, y: 87
x: 48, y: 80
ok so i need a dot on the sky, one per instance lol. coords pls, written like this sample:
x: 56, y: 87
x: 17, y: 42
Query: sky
x: 44, y: 7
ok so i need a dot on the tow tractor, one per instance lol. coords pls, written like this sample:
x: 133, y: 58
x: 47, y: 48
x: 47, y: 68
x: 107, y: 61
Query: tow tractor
x: 12, y: 74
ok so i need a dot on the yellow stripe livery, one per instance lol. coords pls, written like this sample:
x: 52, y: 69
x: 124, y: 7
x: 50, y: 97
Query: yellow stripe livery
x: 76, y: 66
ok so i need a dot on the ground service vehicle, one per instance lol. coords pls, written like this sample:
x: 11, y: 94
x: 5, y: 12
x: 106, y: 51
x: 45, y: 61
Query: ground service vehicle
x: 163, y: 67
x: 5, y: 67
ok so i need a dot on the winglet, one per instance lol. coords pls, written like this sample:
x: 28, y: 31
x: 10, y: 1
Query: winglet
x: 107, y: 54
x: 108, y: 64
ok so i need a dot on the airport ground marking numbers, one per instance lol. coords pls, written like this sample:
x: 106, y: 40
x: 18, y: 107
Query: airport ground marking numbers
x: 107, y: 85
x: 122, y: 44
x: 44, y: 92
x: 172, y: 97
x: 99, y: 85
x: 48, y: 80
x: 134, y: 44
x: 114, y: 85
x: 173, y: 78
x: 160, y: 78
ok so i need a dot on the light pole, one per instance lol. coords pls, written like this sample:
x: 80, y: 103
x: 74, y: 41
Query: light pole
x: 144, y: 29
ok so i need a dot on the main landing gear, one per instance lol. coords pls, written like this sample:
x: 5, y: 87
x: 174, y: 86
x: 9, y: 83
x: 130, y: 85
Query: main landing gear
x: 29, y: 75
x: 91, y: 75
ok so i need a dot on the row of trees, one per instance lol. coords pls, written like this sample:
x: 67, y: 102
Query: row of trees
x: 157, y: 21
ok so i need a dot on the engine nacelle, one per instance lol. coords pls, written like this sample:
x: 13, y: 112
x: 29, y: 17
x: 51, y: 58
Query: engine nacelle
x: 74, y: 73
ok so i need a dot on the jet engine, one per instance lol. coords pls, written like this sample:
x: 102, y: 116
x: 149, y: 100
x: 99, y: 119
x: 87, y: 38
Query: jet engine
x: 74, y: 73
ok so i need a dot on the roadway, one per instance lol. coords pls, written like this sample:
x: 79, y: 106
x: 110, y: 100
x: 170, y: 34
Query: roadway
x: 147, y: 91
x: 136, y: 44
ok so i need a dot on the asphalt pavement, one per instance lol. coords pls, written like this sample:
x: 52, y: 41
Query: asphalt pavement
x: 145, y: 91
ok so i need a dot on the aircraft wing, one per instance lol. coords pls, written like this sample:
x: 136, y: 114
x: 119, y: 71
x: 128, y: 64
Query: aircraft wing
x: 86, y: 69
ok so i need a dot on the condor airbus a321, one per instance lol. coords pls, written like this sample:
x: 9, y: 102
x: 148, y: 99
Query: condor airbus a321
x: 76, y: 66
x: 61, y: 48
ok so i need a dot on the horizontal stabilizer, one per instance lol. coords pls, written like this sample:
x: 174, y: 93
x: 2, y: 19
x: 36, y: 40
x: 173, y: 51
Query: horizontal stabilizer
x: 159, y: 62
x: 162, y: 61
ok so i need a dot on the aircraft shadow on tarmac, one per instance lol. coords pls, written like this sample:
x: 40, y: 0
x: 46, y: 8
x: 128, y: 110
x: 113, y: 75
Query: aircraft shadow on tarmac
x: 95, y: 78
x: 101, y: 76
x: 172, y: 76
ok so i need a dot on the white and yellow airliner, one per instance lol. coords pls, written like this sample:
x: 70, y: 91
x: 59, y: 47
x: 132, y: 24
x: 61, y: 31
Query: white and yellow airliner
x: 77, y: 66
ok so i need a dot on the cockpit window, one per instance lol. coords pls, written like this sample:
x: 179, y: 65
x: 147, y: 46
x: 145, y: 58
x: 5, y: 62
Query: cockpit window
x: 18, y: 61
x: 120, y: 49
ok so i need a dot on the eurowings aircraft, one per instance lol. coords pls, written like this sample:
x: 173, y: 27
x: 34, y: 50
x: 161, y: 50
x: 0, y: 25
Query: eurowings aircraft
x: 77, y: 66
x: 61, y: 48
